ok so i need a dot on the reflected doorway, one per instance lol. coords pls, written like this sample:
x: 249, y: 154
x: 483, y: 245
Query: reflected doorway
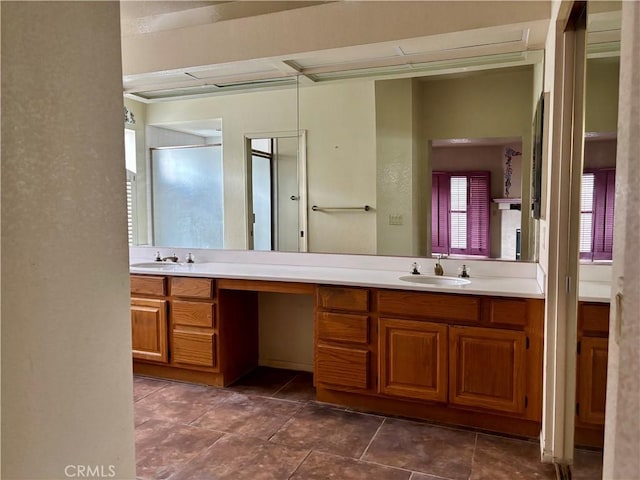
x: 277, y: 193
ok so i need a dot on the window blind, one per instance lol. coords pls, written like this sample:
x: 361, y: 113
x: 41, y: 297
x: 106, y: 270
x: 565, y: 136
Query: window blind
x: 460, y: 212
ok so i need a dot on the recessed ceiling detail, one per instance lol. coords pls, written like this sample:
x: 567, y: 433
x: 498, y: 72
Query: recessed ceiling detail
x: 507, y: 45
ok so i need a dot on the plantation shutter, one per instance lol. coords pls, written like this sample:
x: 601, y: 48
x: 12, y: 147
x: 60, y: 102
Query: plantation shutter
x: 439, y: 212
x: 478, y: 214
x: 604, y: 200
x: 458, y: 214
x: 131, y: 192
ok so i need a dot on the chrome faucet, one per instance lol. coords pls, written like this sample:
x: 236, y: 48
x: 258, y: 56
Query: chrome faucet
x: 437, y: 269
x: 173, y: 258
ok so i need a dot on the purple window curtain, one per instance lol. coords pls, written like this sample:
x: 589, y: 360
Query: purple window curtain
x: 604, y: 202
x: 478, y: 214
x: 477, y: 218
x: 440, y: 212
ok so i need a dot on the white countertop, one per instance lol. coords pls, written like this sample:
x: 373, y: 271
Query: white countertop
x: 499, y: 286
x: 595, y: 292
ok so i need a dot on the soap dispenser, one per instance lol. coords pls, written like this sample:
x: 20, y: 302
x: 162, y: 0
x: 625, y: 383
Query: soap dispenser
x: 437, y: 269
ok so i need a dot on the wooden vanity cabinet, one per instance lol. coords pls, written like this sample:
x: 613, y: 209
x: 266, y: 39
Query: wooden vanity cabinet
x: 178, y: 329
x: 343, y: 338
x: 460, y: 359
x: 149, y: 340
x: 193, y: 326
x: 413, y: 359
x: 591, y: 384
x: 149, y: 330
x: 487, y: 369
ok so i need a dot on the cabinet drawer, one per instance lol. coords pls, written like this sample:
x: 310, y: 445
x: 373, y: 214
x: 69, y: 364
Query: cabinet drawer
x: 503, y: 311
x: 343, y: 327
x: 347, y: 367
x: 194, y: 348
x: 594, y: 318
x: 430, y: 305
x: 146, y: 285
x: 193, y: 314
x: 191, y: 287
x: 349, y: 299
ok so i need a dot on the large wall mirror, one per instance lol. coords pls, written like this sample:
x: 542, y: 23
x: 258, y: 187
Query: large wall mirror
x: 601, y: 118
x: 392, y: 163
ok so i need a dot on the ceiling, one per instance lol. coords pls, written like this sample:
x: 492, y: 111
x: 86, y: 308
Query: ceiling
x: 508, y: 45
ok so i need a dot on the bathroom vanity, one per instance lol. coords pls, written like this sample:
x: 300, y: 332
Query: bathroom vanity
x: 463, y: 355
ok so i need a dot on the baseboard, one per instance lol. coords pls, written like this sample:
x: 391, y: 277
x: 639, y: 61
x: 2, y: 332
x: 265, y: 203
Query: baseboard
x: 302, y: 367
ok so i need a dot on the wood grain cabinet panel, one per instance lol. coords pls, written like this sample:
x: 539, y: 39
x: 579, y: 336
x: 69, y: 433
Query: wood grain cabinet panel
x: 194, y: 348
x: 193, y: 314
x: 191, y: 287
x: 594, y: 318
x: 347, y: 367
x: 147, y: 285
x: 413, y: 359
x: 149, y: 339
x: 342, y: 298
x: 487, y: 368
x: 429, y: 305
x: 592, y: 380
x: 343, y: 327
x: 512, y: 312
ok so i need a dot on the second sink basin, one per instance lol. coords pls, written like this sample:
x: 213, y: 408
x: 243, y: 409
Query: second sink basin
x: 429, y: 280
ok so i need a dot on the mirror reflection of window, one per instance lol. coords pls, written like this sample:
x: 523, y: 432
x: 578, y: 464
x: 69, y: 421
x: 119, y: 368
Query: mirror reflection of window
x: 187, y: 196
x: 460, y: 213
x: 596, y: 214
x: 130, y: 164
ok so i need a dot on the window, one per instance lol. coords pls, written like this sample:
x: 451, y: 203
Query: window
x: 596, y: 214
x: 187, y: 196
x: 130, y: 163
x: 460, y: 213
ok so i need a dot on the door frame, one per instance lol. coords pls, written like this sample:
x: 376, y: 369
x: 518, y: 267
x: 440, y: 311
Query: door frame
x: 302, y: 184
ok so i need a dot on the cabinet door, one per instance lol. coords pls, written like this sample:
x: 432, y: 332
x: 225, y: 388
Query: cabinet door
x: 592, y: 380
x: 487, y: 368
x: 413, y: 359
x: 149, y: 329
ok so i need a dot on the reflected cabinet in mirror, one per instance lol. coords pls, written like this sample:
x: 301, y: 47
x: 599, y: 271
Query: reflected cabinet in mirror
x: 385, y: 164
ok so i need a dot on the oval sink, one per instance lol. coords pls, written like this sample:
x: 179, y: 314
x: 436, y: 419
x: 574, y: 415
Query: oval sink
x: 157, y: 265
x: 429, y: 280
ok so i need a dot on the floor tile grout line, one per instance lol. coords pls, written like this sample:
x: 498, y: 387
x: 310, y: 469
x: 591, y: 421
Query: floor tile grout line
x: 193, y: 459
x: 473, y: 456
x: 384, y: 419
x: 283, y: 426
x: 299, y: 465
x: 283, y: 386
x: 148, y: 394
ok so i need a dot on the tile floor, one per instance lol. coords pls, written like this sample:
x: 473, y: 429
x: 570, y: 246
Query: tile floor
x: 268, y: 427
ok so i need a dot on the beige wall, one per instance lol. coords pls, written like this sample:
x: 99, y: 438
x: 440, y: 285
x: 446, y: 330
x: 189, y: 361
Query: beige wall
x: 601, y: 99
x: 395, y: 160
x: 286, y: 331
x: 67, y: 395
x: 341, y: 155
x: 599, y: 153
